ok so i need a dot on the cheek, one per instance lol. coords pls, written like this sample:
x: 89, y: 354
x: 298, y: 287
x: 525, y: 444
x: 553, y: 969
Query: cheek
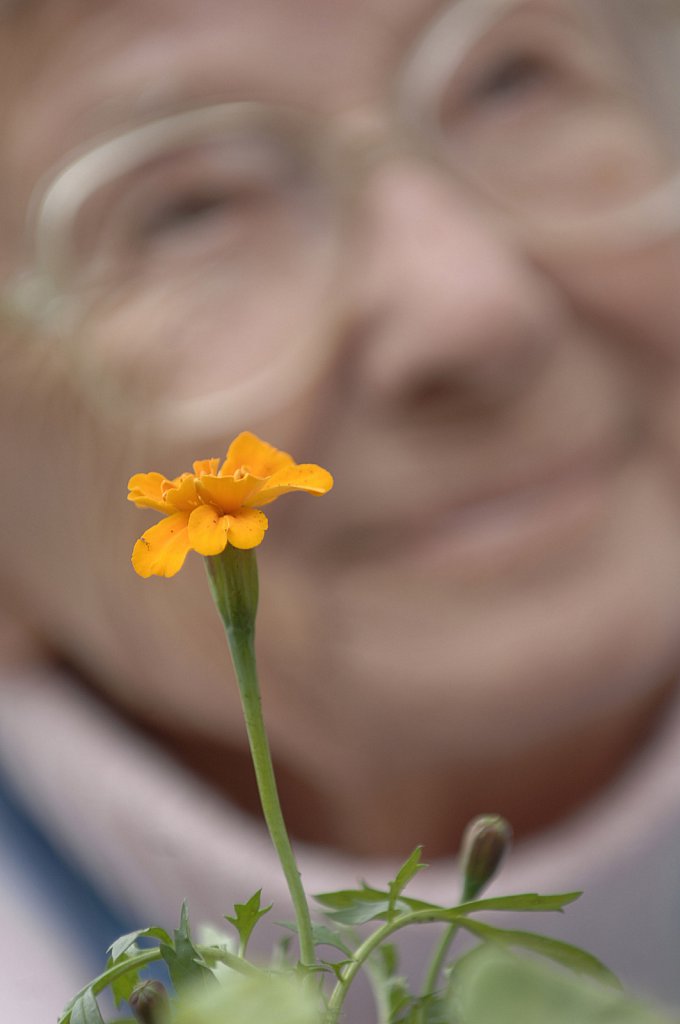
x: 634, y: 294
x: 633, y: 299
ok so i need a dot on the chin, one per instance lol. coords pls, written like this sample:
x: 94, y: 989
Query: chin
x: 543, y: 645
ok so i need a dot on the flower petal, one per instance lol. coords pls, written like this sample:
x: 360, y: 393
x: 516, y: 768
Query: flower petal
x: 307, y: 477
x: 226, y: 493
x: 260, y: 458
x: 182, y: 496
x: 146, y: 490
x: 204, y: 466
x: 208, y: 530
x: 162, y: 549
x: 247, y: 528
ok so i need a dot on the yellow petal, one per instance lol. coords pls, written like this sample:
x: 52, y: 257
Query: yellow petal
x: 260, y: 458
x: 226, y: 493
x: 146, y: 490
x: 204, y: 466
x: 309, y: 478
x: 247, y: 528
x: 208, y: 530
x: 183, y: 496
x: 175, y: 482
x: 162, y: 549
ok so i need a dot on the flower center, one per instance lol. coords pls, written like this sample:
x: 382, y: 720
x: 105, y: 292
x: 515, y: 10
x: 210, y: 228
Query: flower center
x: 241, y: 472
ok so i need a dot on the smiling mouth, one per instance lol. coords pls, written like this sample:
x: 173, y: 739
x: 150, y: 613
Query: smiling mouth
x: 520, y: 523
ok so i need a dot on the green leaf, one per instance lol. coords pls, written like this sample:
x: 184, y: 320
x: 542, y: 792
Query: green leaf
x: 322, y: 936
x: 435, y: 1010
x: 122, y: 986
x: 85, y: 1009
x: 366, y: 910
x: 494, y: 985
x: 408, y: 870
x: 344, y: 899
x: 398, y: 996
x: 526, y: 901
x: 349, y: 897
x: 561, y: 952
x: 183, y: 959
x: 387, y: 959
x: 122, y: 945
x: 246, y: 916
x: 65, y: 1015
x: 357, y: 906
x: 126, y: 948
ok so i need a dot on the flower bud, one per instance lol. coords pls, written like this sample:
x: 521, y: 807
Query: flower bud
x: 149, y: 1003
x: 485, y: 842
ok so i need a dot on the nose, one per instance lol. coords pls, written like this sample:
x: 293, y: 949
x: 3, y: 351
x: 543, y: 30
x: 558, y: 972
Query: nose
x: 445, y: 315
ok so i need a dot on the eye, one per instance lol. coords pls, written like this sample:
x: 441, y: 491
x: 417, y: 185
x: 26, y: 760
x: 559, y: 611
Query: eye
x: 186, y: 212
x: 512, y: 76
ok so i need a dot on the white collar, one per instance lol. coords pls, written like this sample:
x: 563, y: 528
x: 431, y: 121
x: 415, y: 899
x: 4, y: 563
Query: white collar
x: 149, y: 835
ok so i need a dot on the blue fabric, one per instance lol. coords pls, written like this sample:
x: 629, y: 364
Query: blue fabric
x: 90, y: 923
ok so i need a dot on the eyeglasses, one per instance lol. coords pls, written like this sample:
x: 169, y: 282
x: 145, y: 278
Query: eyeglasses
x: 192, y: 261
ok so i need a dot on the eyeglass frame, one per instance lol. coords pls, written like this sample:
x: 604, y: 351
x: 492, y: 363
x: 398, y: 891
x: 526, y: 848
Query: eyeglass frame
x: 354, y: 140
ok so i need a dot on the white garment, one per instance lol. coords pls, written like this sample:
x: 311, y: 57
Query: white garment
x: 149, y: 834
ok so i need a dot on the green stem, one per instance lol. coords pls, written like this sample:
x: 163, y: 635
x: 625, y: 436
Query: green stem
x: 147, y: 956
x: 233, y: 580
x: 237, y: 963
x: 438, y: 958
x: 244, y: 663
x: 117, y: 970
x: 367, y: 947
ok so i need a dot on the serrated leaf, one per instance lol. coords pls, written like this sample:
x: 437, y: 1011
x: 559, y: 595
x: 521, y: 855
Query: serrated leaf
x: 345, y: 898
x: 121, y: 945
x: 122, y: 986
x: 365, y: 910
x: 342, y: 898
x: 325, y: 936
x: 85, y: 1009
x: 246, y: 916
x: 408, y: 870
x: 561, y: 952
x: 183, y: 959
x: 357, y: 906
x: 526, y: 901
x: 322, y: 935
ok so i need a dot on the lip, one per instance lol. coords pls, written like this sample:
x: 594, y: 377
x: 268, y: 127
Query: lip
x: 517, y: 522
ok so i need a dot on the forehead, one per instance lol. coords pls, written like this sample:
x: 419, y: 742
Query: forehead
x: 126, y: 51
x: 70, y: 69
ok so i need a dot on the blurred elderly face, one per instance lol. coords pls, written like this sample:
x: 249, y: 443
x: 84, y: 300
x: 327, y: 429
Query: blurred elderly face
x: 425, y: 266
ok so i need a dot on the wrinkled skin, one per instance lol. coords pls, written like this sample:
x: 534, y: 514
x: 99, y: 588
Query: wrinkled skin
x: 508, y: 657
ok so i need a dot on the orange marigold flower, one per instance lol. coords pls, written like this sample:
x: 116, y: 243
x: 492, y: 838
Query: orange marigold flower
x: 212, y: 507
